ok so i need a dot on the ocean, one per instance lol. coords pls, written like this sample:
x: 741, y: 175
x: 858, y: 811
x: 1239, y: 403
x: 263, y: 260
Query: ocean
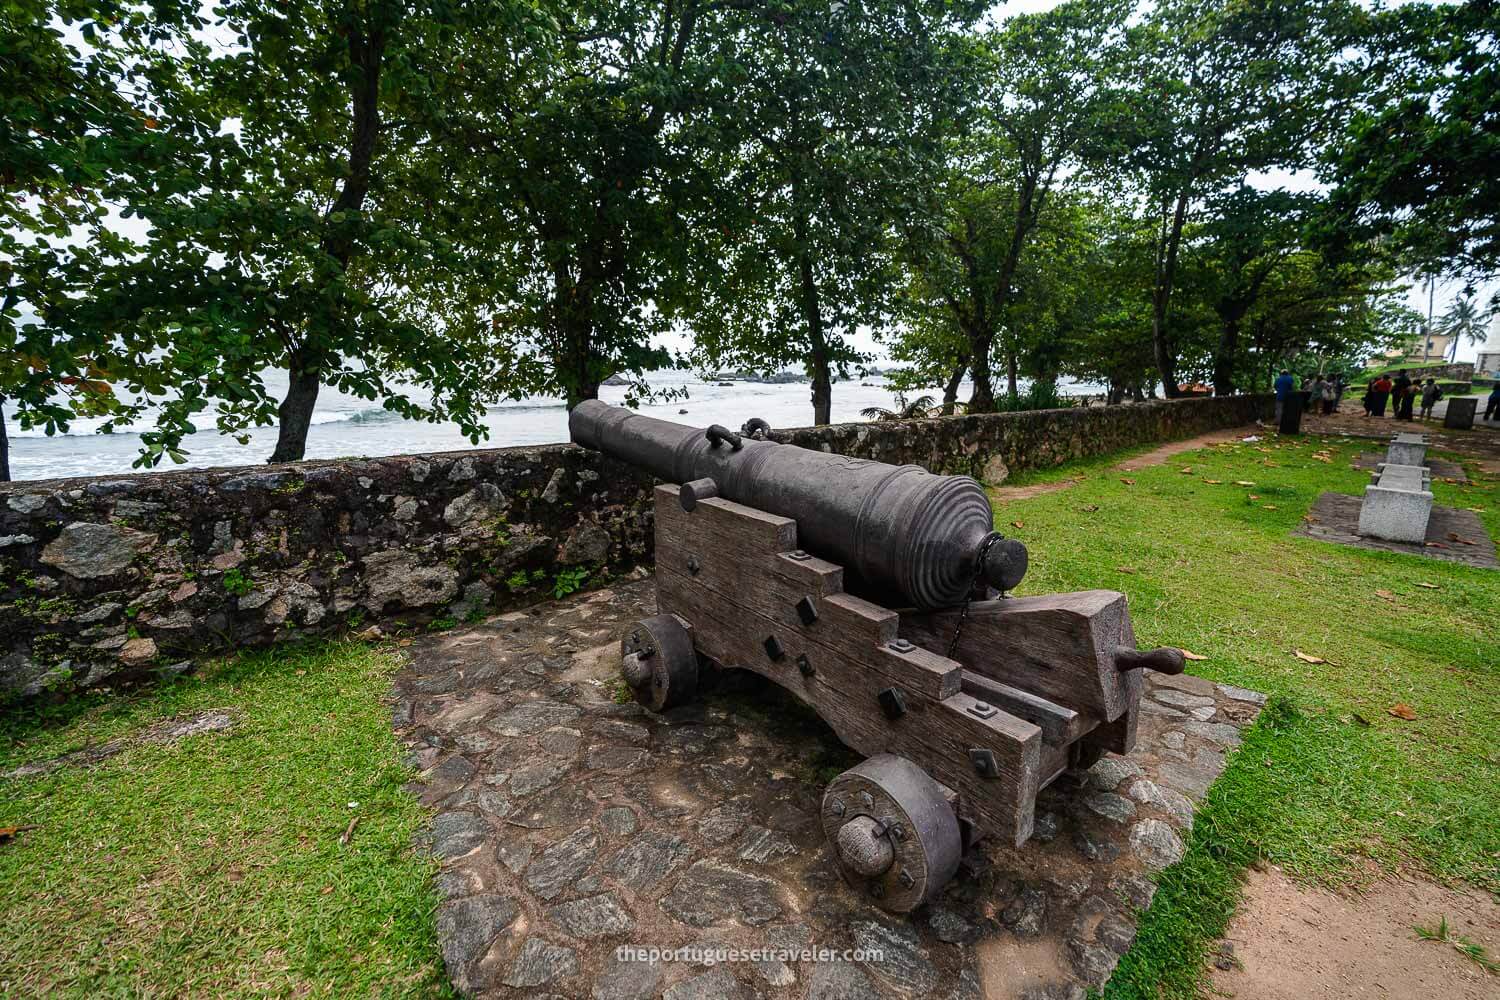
x: 346, y: 426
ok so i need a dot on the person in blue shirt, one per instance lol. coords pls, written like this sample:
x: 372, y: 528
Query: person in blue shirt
x: 1284, y: 386
x: 1492, y: 404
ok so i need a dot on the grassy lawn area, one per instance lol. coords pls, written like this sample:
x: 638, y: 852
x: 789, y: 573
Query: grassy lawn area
x: 1329, y: 785
x: 213, y: 866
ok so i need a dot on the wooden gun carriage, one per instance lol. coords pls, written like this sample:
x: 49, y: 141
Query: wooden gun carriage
x: 965, y: 704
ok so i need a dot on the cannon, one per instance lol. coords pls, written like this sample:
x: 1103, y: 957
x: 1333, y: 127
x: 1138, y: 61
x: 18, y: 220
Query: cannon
x: 877, y: 595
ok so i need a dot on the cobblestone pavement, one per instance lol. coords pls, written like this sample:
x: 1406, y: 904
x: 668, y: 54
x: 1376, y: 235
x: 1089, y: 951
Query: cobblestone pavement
x: 567, y: 825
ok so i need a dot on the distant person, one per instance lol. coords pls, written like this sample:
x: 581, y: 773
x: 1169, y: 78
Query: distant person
x: 1430, y: 395
x: 1405, y: 395
x: 1315, y: 394
x: 1340, y: 385
x: 1307, y: 392
x: 1330, y: 396
x: 1492, y: 404
x: 1380, y: 391
x: 1284, y: 385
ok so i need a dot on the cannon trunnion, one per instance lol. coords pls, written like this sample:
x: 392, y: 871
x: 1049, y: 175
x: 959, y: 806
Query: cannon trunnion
x: 963, y: 712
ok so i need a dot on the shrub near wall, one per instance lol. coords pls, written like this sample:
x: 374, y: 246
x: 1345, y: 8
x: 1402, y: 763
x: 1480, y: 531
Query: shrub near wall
x: 108, y: 580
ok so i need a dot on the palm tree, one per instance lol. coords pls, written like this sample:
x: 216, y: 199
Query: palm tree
x: 1463, y: 320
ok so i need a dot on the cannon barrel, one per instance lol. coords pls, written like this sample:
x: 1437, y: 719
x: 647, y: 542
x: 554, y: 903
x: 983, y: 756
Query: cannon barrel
x: 896, y: 527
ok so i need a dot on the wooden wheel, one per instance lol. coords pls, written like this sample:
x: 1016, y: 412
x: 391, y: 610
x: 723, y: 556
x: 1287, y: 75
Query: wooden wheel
x: 658, y: 662
x: 894, y: 835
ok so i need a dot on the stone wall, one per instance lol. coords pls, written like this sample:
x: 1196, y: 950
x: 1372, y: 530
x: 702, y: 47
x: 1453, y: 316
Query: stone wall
x: 108, y: 580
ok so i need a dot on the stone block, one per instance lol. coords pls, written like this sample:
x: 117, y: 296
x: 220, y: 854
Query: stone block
x: 1460, y: 415
x: 1407, y: 449
x: 1397, y: 515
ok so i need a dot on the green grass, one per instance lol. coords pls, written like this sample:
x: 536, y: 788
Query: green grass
x: 213, y: 866
x: 1407, y: 366
x: 1328, y: 785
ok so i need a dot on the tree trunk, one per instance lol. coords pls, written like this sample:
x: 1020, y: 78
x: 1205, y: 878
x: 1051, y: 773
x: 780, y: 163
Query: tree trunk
x: 4, y: 447
x: 1229, y: 345
x: 817, y: 358
x: 1161, y: 297
x: 1010, y: 374
x: 982, y: 399
x: 950, y: 391
x: 295, y: 413
x: 822, y: 390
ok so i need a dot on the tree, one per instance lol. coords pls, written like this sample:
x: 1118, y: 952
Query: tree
x: 68, y: 128
x: 1041, y: 106
x: 568, y: 146
x: 1249, y: 234
x: 837, y: 113
x: 1227, y: 88
x: 272, y: 182
x: 1464, y: 321
x: 1419, y: 159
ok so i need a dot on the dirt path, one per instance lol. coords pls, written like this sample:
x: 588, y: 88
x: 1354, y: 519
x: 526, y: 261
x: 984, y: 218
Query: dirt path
x: 1309, y: 944
x: 1157, y: 456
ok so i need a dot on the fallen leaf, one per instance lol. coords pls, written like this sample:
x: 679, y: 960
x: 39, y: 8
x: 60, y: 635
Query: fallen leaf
x: 1429, y: 586
x: 1243, y: 482
x: 349, y: 831
x: 1186, y: 470
x: 1090, y: 508
x: 1268, y: 506
x: 1018, y: 524
x: 1435, y: 545
x: 1385, y: 594
x: 1190, y: 655
x: 1402, y: 710
x: 1213, y: 482
x: 327, y: 889
x: 1305, y: 658
x: 9, y: 833
x: 1128, y: 482
x: 1124, y: 569
x: 1252, y: 497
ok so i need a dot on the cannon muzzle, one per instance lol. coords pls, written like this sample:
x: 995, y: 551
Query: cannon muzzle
x: 899, y: 528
